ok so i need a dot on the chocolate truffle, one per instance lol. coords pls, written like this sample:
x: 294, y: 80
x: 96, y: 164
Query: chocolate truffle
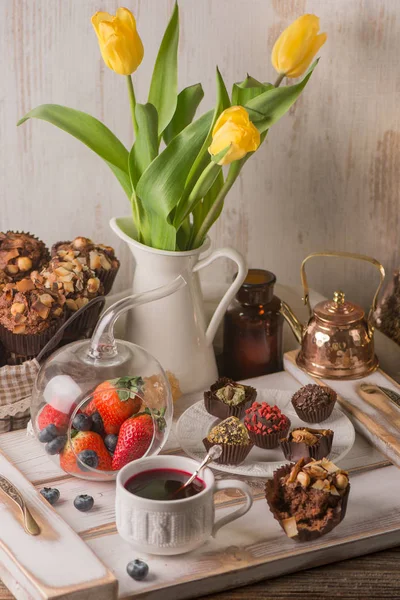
x: 266, y: 425
x: 29, y: 317
x: 99, y: 258
x: 226, y: 398
x: 233, y: 438
x: 313, y: 403
x: 21, y: 253
x: 304, y: 442
x: 308, y: 498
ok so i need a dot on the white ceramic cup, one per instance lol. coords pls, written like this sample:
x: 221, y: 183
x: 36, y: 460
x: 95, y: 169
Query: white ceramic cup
x: 172, y: 526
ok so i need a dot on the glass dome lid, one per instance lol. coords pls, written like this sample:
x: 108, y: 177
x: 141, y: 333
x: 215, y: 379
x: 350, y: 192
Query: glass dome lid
x: 99, y: 404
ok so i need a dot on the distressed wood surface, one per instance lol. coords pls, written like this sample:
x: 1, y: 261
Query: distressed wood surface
x: 328, y: 177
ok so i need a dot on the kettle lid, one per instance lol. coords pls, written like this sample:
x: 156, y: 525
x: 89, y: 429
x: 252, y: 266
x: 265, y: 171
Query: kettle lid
x: 339, y: 311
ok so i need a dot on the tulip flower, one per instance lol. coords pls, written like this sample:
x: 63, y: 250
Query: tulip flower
x: 296, y: 46
x: 234, y: 129
x: 119, y: 41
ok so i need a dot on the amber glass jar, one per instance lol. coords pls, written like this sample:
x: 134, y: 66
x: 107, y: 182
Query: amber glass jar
x: 253, y: 329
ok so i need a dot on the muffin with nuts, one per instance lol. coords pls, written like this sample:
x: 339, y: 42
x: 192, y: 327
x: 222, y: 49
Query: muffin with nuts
x: 266, y: 425
x: 78, y: 284
x: 29, y: 317
x: 233, y: 438
x: 308, y: 498
x: 99, y: 258
x: 314, y: 403
x: 227, y: 398
x: 304, y: 442
x: 21, y: 253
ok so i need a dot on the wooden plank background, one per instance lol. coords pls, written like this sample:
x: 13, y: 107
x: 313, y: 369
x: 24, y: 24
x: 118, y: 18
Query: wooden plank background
x: 329, y: 176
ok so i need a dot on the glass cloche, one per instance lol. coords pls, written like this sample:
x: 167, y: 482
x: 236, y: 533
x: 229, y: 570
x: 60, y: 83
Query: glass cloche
x: 101, y: 403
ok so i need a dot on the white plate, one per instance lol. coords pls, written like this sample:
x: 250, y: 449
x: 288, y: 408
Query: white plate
x: 196, y: 422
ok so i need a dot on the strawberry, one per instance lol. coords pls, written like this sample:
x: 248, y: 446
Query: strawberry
x: 51, y: 416
x: 84, y: 440
x: 116, y: 400
x: 135, y: 437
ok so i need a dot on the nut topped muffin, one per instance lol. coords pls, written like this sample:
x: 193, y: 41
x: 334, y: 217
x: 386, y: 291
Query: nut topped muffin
x: 232, y: 436
x: 226, y: 398
x: 304, y: 442
x: 266, y: 425
x: 308, y: 498
x: 29, y: 317
x: 313, y: 403
x: 21, y: 253
x: 99, y: 258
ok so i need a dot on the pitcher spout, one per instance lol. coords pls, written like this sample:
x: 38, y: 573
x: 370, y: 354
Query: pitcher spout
x: 293, y: 321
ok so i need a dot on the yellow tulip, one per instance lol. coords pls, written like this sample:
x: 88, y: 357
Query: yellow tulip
x: 119, y: 41
x: 234, y: 128
x: 297, y: 45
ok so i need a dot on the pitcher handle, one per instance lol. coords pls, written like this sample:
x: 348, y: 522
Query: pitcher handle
x: 232, y: 290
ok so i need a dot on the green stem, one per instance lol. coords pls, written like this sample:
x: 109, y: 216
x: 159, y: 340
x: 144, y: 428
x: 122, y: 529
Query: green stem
x: 132, y: 102
x: 279, y: 79
x: 136, y: 216
x: 199, y: 190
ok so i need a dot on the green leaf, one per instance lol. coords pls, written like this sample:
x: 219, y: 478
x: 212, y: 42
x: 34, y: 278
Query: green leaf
x: 164, y: 83
x: 267, y: 108
x: 188, y: 102
x: 162, y: 184
x: 145, y: 148
x: 91, y: 132
x: 248, y: 89
x: 203, y: 208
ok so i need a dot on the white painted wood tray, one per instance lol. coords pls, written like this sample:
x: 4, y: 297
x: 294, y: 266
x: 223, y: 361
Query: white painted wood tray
x: 252, y: 548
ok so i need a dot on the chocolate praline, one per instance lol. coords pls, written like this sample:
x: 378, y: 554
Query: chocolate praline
x: 233, y: 438
x: 216, y: 406
x: 303, y: 442
x: 314, y: 403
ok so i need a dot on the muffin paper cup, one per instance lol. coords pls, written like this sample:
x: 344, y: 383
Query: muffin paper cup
x: 82, y: 327
x: 269, y: 440
x: 296, y: 450
x: 315, y: 416
x: 216, y: 407
x: 231, y: 454
x: 272, y: 488
x: 28, y: 345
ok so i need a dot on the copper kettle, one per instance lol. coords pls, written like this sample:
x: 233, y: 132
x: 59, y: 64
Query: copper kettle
x: 338, y: 340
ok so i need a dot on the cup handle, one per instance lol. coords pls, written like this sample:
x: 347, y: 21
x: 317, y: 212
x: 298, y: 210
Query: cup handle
x: 234, y: 287
x: 242, y: 510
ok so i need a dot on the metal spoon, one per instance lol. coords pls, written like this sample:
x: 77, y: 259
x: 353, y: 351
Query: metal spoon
x: 214, y: 453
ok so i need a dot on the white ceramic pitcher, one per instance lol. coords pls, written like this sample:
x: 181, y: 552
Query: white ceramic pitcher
x: 174, y: 329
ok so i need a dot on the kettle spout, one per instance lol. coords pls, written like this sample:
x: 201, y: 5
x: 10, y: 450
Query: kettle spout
x: 294, y: 323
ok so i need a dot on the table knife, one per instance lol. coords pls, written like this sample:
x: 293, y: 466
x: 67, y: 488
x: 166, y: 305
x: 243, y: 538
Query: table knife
x: 11, y: 491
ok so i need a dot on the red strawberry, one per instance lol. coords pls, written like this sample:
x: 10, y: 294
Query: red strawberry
x: 51, y: 416
x: 84, y: 440
x: 116, y: 400
x: 90, y: 408
x: 135, y: 437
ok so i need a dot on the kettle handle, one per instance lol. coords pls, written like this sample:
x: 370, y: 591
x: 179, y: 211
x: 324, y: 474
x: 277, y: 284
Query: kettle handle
x: 372, y: 261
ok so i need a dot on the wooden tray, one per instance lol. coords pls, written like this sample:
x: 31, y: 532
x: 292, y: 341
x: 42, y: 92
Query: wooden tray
x: 252, y: 548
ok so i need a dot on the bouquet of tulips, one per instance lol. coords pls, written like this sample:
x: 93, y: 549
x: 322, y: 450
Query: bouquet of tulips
x: 173, y: 175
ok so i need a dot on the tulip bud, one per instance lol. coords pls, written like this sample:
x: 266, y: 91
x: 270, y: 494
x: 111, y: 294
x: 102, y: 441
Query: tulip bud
x: 297, y: 45
x: 234, y: 129
x: 119, y: 41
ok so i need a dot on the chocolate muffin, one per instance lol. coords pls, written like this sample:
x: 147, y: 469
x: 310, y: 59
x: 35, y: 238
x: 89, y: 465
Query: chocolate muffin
x: 308, y: 498
x: 313, y: 403
x: 266, y: 425
x: 304, y: 442
x: 233, y: 438
x: 99, y: 258
x: 29, y: 317
x: 226, y: 398
x: 21, y: 253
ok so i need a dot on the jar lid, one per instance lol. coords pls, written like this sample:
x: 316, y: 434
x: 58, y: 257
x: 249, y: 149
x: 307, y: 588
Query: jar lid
x: 339, y: 311
x: 257, y: 288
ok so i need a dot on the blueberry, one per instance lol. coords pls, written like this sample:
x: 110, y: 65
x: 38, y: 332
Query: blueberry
x: 48, y: 433
x: 88, y: 458
x: 111, y: 442
x: 52, y: 495
x: 56, y: 445
x: 83, y: 502
x: 82, y: 422
x: 137, y: 569
x: 97, y: 423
